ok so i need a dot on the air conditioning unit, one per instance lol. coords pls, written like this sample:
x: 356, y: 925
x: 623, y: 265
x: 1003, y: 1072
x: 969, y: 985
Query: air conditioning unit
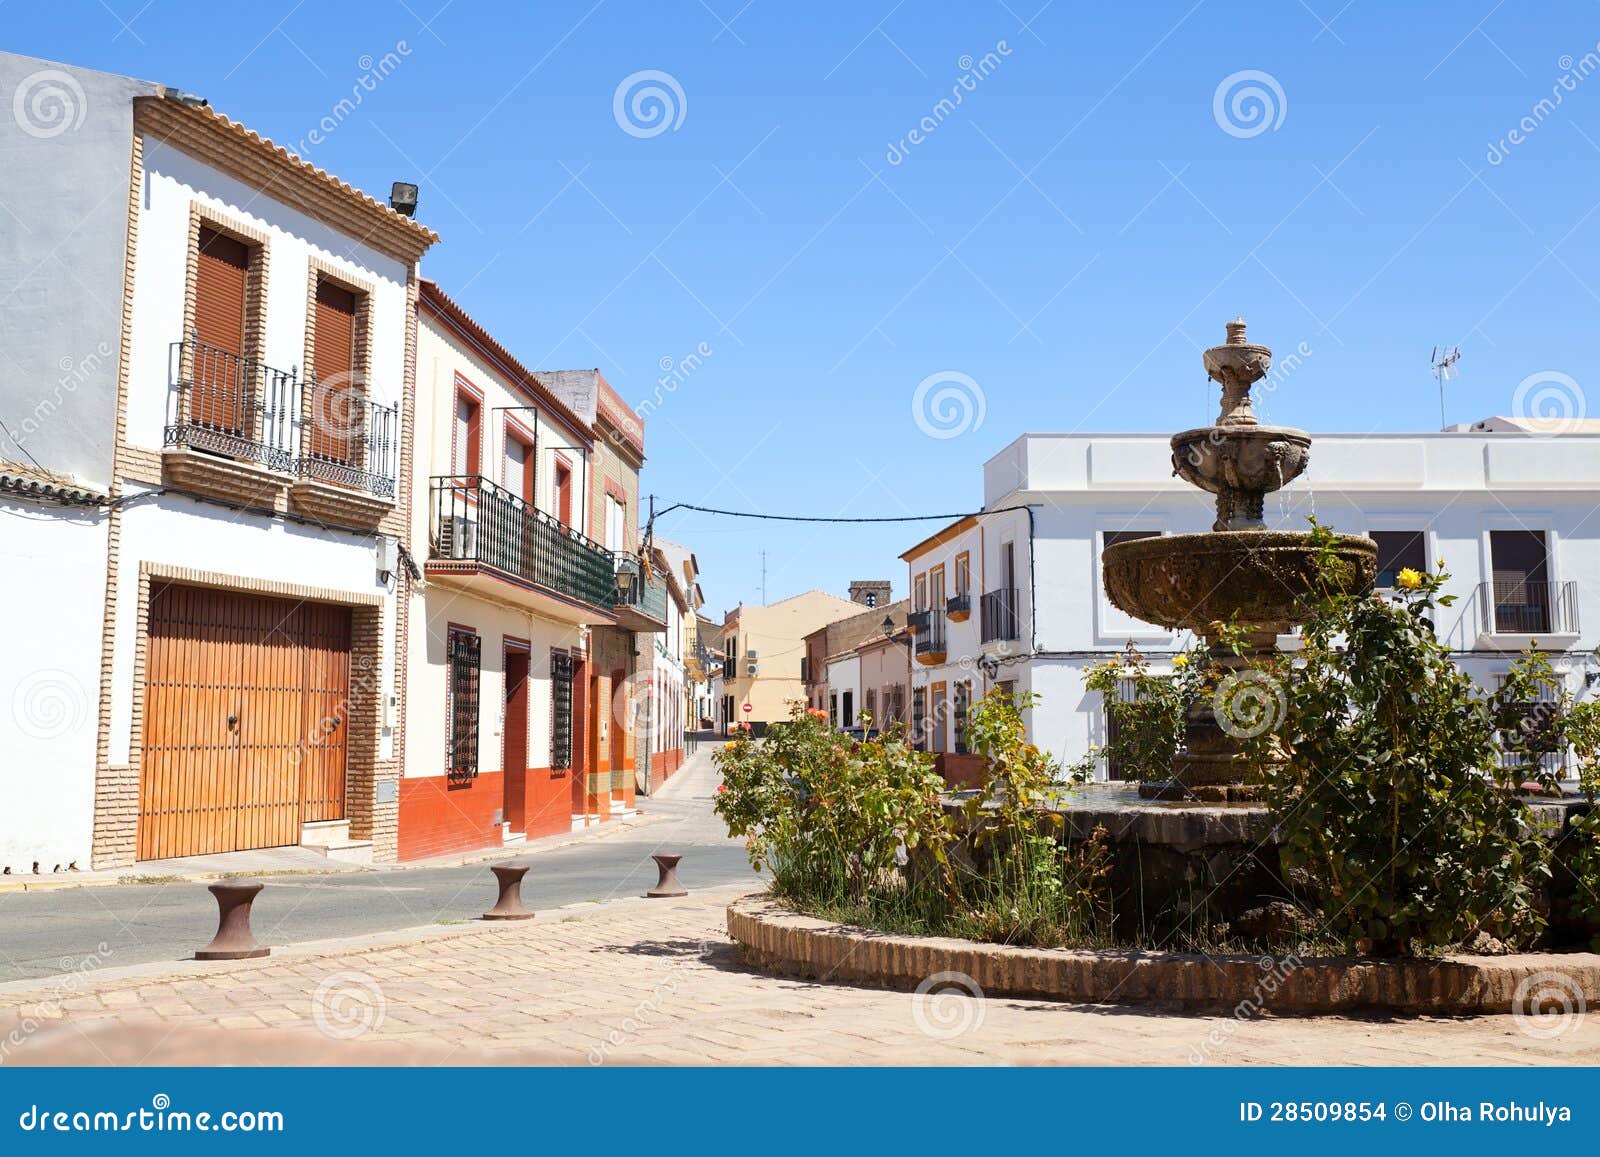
x: 752, y: 656
x: 752, y: 668
x: 458, y: 537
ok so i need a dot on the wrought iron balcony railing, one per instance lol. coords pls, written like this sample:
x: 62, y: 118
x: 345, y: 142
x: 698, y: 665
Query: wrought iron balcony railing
x: 240, y: 408
x: 958, y: 605
x: 931, y: 633
x: 348, y: 439
x: 237, y: 407
x: 473, y: 520
x: 1523, y: 607
x: 644, y: 593
x: 1002, y: 617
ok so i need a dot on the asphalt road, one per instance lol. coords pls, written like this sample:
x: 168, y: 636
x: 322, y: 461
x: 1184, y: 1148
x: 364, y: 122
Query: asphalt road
x: 48, y: 933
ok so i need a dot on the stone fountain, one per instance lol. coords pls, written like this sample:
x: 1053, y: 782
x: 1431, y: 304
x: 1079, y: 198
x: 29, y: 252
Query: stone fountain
x: 1239, y: 574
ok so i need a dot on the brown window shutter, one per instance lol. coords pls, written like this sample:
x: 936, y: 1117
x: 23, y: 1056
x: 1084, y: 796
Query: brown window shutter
x: 334, y: 414
x: 221, y: 385
x: 335, y: 337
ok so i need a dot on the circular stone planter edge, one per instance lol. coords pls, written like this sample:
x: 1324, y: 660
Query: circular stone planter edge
x: 776, y: 939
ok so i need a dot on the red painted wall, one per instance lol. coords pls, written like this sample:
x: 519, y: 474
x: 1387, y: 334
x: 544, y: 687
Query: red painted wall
x: 437, y: 816
x: 549, y: 802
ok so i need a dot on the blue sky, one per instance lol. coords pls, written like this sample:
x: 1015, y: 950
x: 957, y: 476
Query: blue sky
x: 1068, y: 237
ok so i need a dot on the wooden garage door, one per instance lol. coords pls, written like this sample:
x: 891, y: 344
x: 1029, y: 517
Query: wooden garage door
x: 245, y: 719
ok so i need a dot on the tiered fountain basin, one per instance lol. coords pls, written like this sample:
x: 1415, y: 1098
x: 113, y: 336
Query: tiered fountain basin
x: 1249, y: 577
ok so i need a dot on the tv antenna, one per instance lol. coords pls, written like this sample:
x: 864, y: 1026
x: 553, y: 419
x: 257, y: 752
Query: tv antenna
x: 1444, y: 360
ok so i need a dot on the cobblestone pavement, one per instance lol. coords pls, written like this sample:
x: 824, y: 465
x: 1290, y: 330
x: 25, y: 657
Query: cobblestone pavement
x: 650, y: 982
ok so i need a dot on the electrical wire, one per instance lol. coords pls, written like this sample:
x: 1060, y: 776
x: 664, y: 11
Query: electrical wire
x: 827, y: 518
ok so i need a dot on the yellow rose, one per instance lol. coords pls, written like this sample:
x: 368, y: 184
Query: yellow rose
x: 1180, y: 661
x: 1408, y: 579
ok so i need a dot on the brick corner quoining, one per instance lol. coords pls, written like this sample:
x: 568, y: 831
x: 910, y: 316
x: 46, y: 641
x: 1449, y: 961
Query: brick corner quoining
x: 776, y: 939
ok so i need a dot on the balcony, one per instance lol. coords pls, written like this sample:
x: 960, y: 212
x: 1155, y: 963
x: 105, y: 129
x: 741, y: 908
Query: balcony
x: 240, y: 430
x: 1512, y: 613
x: 958, y: 609
x: 929, y: 628
x: 1002, y: 617
x: 484, y: 540
x: 348, y: 448
x: 641, y: 598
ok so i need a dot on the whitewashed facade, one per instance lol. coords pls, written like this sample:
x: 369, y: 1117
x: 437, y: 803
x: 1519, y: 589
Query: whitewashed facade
x: 1512, y: 515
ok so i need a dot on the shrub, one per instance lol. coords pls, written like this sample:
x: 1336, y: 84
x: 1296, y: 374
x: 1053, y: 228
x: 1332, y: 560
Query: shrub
x: 827, y: 815
x: 1395, y: 816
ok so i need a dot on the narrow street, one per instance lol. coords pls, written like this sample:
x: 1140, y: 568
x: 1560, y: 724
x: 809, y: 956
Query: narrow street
x: 44, y: 934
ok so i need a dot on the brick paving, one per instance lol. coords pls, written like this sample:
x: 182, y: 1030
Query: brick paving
x: 659, y: 982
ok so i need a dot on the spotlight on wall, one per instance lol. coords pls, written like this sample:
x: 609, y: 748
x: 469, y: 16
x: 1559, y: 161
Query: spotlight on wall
x: 403, y: 198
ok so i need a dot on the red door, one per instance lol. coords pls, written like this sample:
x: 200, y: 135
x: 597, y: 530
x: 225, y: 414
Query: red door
x: 516, y: 739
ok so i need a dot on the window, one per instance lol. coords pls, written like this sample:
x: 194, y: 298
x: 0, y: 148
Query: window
x: 963, y: 701
x: 1521, y: 586
x: 896, y: 699
x: 1397, y: 550
x: 963, y: 573
x: 562, y: 669
x: 461, y: 687
x: 870, y: 705
x: 221, y: 397
x: 939, y: 709
x: 871, y: 599
x: 1113, y: 537
x: 562, y: 492
x: 467, y: 435
x: 849, y: 716
x: 919, y: 718
x: 616, y: 524
x: 336, y: 387
x: 833, y: 709
x: 936, y: 599
x: 919, y: 587
x: 516, y: 473
x: 1127, y: 691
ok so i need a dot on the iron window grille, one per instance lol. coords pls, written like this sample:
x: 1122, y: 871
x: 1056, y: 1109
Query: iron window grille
x: 466, y: 662
x: 562, y: 669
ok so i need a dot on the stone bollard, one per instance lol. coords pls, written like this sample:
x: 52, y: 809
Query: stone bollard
x: 234, y: 940
x: 668, y: 884
x: 509, y: 906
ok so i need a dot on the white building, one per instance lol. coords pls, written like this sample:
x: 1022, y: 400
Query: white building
x: 247, y: 630
x: 513, y: 587
x: 1511, y: 514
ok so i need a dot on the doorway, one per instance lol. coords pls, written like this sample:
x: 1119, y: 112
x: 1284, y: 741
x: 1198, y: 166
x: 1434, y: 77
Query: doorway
x: 515, y: 749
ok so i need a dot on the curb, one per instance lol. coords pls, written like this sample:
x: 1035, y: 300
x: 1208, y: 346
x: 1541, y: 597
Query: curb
x: 132, y: 878
x: 776, y: 939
